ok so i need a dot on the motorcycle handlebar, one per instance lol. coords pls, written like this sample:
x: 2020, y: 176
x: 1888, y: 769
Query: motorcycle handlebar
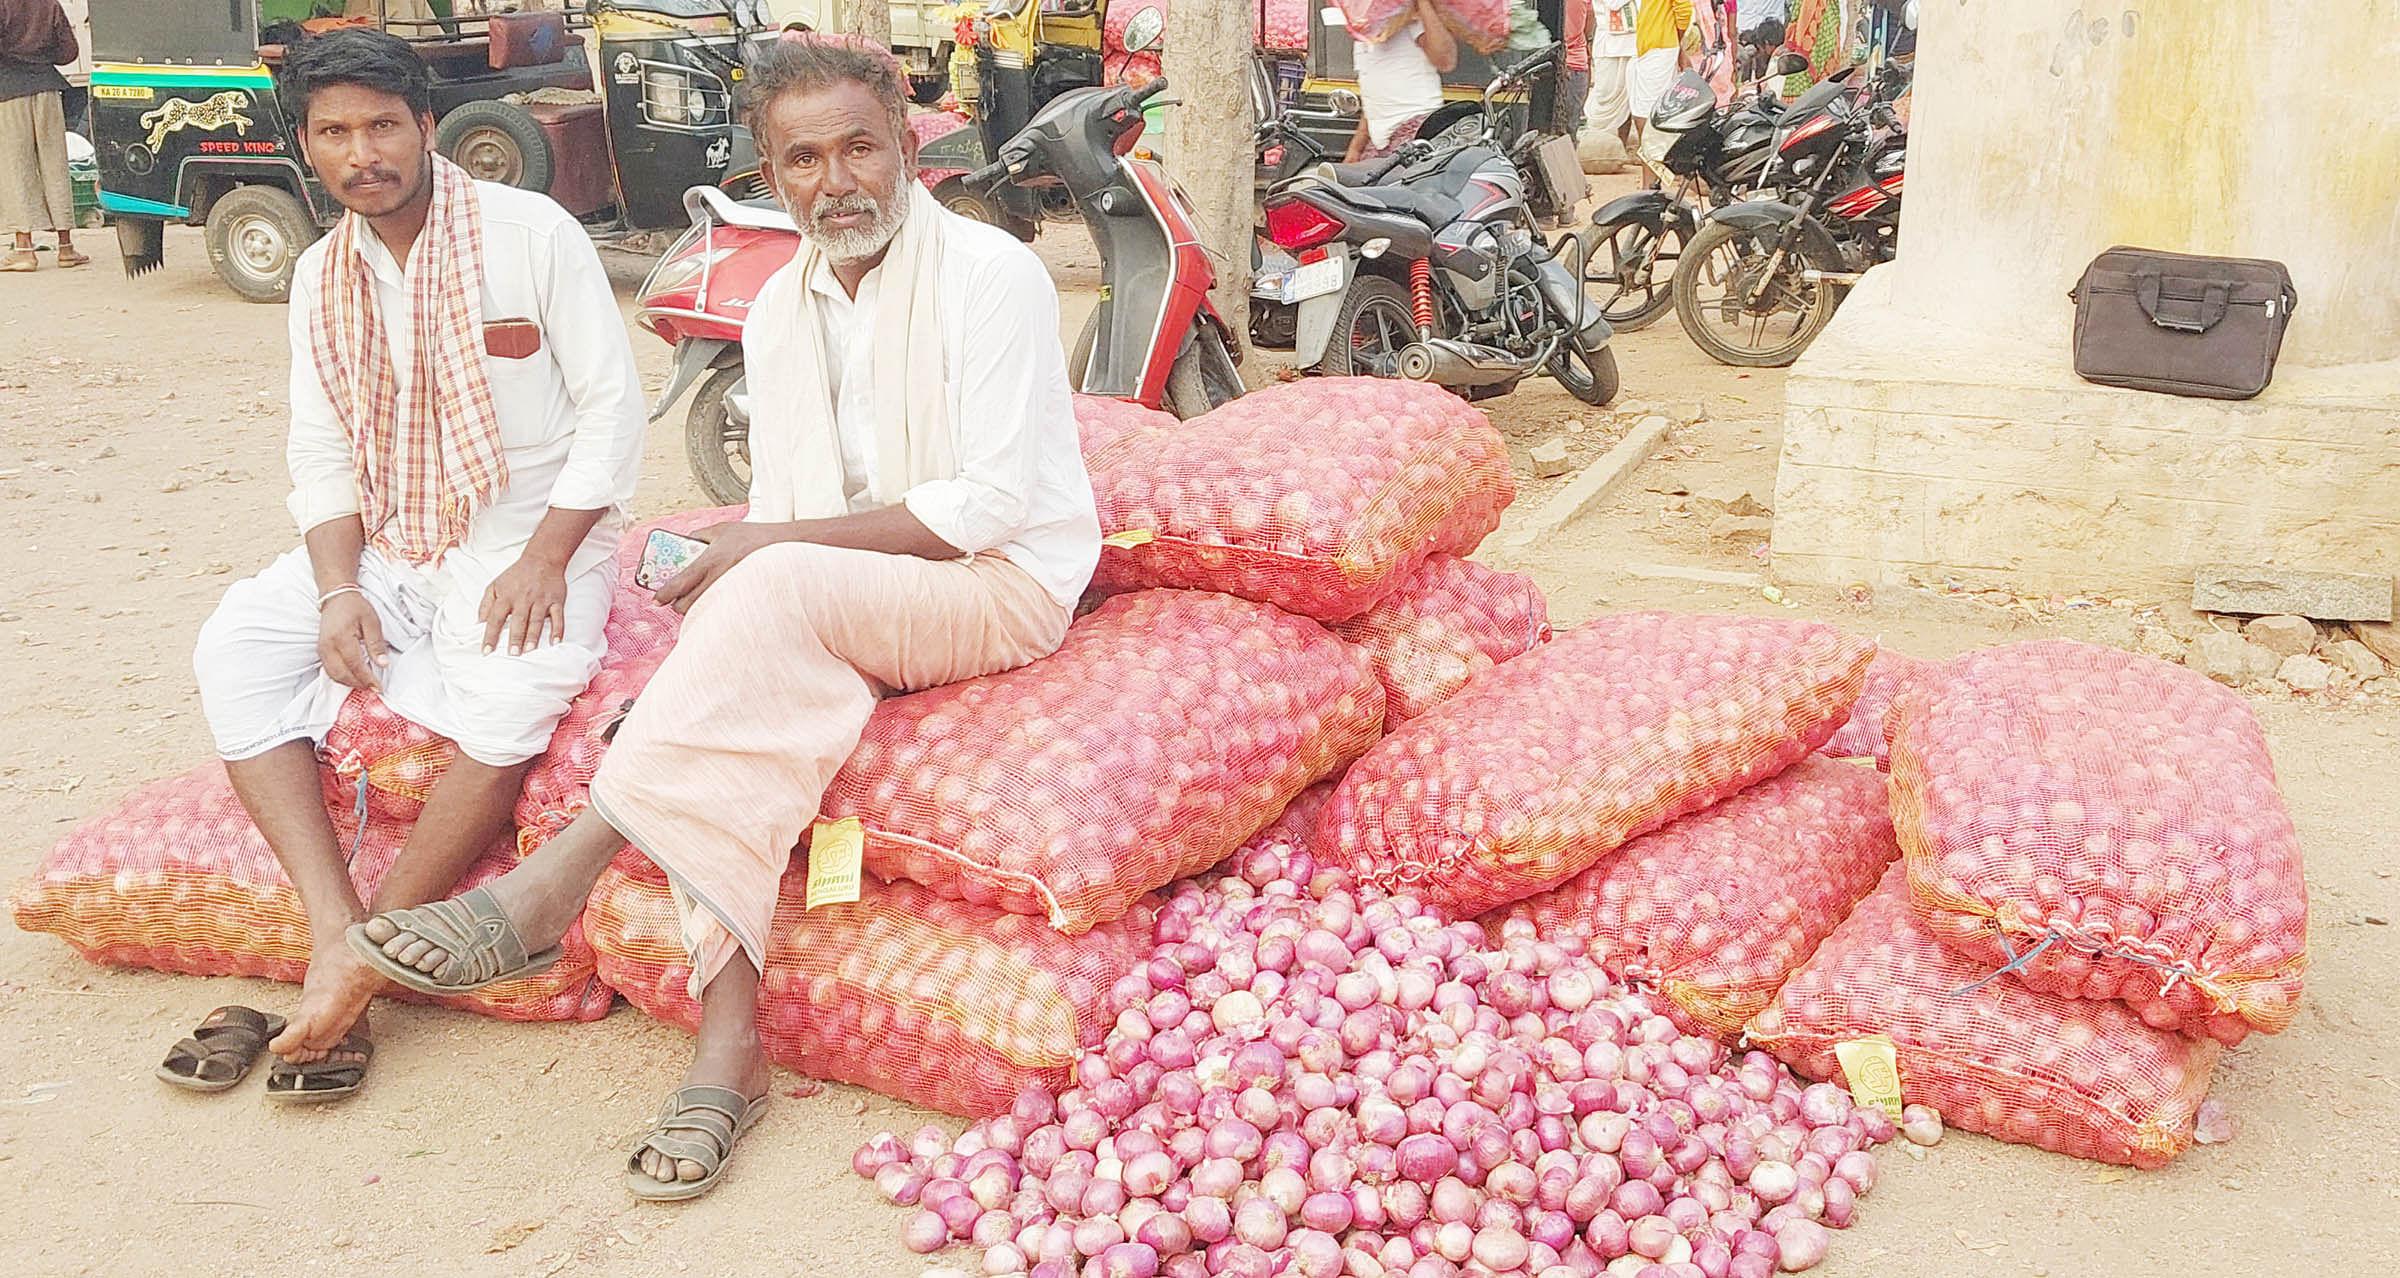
x: 987, y: 177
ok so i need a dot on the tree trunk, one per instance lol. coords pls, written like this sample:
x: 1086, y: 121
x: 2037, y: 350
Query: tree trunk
x: 869, y: 18
x: 1207, y: 65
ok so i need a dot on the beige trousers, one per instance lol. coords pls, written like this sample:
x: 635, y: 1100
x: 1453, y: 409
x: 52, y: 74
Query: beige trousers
x: 35, y: 194
x: 718, y: 770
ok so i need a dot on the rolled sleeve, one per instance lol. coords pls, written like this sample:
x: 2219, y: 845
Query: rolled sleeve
x: 595, y: 359
x: 324, y: 482
x: 995, y: 409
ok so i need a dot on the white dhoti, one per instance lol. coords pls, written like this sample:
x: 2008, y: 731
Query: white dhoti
x: 262, y: 685
x: 1606, y: 106
x: 1646, y: 81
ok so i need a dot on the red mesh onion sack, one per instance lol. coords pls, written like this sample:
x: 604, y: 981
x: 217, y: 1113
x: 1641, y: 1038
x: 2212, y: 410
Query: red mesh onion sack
x: 1863, y: 737
x: 372, y: 759
x: 1481, y: 23
x: 1540, y: 767
x: 177, y: 879
x: 1448, y: 621
x: 1716, y: 910
x: 640, y: 634
x: 2078, y: 1076
x: 928, y: 1000
x: 1317, y: 496
x: 1170, y: 726
x: 2107, y: 826
x: 1283, y: 24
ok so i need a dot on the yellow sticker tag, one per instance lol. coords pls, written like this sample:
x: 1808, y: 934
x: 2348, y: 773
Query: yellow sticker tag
x: 1129, y: 538
x: 834, y: 849
x: 1872, y: 1067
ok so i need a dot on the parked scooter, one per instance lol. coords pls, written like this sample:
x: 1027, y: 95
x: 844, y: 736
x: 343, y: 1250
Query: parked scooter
x: 1154, y: 338
x: 1718, y: 156
x: 1428, y: 266
x: 1762, y: 278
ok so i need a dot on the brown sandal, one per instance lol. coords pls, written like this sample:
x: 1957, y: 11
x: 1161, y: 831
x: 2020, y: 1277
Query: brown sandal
x: 322, y: 1080
x: 220, y: 1052
x: 68, y: 257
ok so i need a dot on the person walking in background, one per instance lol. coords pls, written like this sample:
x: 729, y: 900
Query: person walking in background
x: 1613, y: 47
x: 1658, y: 30
x: 1575, y: 79
x: 35, y: 195
x: 1400, y: 83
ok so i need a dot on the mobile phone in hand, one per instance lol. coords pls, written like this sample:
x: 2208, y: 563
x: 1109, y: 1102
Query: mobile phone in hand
x: 663, y: 556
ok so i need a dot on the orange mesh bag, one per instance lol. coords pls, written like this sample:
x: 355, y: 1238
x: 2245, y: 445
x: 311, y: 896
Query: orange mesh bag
x: 1716, y: 910
x: 1449, y: 621
x: 1540, y: 767
x: 2106, y: 826
x: 177, y: 879
x: 1863, y: 737
x: 2077, y: 1076
x: 378, y: 763
x: 928, y: 1000
x: 640, y: 634
x: 1316, y: 496
x: 1170, y: 726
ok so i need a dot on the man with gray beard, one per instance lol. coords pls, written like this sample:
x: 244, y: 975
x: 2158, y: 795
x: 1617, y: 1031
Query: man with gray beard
x: 919, y: 514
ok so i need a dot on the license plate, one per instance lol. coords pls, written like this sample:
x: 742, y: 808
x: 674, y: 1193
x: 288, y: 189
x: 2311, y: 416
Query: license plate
x: 1314, y: 279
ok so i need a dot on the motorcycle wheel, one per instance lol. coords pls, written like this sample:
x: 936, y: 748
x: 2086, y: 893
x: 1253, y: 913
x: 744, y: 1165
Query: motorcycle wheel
x: 1630, y: 267
x: 1204, y: 375
x: 717, y: 444
x: 1370, y: 330
x: 1079, y: 359
x: 980, y: 206
x: 1714, y: 286
x: 1590, y: 376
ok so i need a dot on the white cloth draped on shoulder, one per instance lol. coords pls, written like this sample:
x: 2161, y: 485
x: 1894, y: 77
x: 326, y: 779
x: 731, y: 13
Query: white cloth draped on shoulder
x: 795, y: 445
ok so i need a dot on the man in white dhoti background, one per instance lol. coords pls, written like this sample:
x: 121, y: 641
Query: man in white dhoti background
x: 919, y: 515
x: 466, y: 432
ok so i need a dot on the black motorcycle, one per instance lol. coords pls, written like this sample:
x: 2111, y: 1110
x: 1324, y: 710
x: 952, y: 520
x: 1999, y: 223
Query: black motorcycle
x: 1762, y: 278
x: 1718, y: 156
x: 1428, y: 265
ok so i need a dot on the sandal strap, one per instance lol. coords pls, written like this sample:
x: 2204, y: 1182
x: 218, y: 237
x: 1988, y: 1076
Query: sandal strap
x: 334, y: 1074
x: 698, y: 1124
x: 472, y: 930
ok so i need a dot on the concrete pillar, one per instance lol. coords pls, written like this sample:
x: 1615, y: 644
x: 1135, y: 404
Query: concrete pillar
x: 1937, y: 430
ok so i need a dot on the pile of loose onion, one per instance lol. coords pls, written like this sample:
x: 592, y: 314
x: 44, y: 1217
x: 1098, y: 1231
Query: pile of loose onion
x: 1313, y: 1081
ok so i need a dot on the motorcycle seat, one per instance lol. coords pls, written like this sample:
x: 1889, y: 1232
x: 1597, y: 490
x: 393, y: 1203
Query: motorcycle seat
x: 1434, y: 210
x: 1361, y: 174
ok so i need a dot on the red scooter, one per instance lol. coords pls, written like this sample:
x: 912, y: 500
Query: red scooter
x: 1154, y: 337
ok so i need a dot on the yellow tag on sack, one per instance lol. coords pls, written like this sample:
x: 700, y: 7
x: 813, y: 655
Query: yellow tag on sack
x: 834, y: 849
x: 1129, y: 538
x: 1871, y: 1064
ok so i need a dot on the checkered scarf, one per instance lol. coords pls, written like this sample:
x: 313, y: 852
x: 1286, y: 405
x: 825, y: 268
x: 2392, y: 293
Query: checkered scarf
x: 426, y: 459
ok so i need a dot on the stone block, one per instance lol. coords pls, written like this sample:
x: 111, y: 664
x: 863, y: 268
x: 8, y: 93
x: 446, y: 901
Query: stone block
x: 2327, y: 596
x: 1738, y: 528
x: 2304, y: 674
x: 2284, y: 634
x: 2357, y: 658
x: 2230, y: 659
x: 1548, y: 459
x: 2381, y: 638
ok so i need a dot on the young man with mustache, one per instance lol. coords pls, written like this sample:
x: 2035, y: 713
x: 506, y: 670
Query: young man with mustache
x: 466, y: 431
x: 919, y: 514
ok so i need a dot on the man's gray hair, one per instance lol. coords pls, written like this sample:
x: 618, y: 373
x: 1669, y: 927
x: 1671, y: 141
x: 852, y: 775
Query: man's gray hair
x: 809, y: 61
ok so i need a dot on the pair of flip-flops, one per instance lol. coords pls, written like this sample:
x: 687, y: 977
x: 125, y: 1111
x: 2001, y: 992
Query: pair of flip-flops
x: 218, y: 1055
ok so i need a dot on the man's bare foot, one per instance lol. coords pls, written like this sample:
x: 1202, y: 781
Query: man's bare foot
x: 538, y: 900
x: 333, y: 999
x: 738, y: 1062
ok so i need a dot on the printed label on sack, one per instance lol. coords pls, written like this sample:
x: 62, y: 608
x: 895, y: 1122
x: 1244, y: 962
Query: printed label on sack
x: 834, y: 850
x: 1129, y: 538
x: 1871, y: 1065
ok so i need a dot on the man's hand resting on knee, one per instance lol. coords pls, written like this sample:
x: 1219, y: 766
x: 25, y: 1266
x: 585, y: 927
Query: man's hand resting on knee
x: 729, y: 543
x: 350, y: 641
x: 887, y: 530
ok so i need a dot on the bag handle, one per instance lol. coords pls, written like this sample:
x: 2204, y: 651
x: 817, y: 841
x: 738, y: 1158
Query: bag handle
x: 2183, y: 314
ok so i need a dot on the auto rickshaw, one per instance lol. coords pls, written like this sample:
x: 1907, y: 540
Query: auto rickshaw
x: 189, y: 127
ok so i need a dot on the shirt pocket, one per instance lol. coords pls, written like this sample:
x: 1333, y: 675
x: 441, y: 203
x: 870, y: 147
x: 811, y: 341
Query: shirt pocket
x: 524, y: 376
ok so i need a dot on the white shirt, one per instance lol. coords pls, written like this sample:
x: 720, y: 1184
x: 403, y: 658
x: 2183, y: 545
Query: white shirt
x: 1612, y: 29
x: 1021, y: 488
x: 571, y: 413
x: 1396, y: 82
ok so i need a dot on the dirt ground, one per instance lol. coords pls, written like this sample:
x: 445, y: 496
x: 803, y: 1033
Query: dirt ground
x: 141, y: 473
